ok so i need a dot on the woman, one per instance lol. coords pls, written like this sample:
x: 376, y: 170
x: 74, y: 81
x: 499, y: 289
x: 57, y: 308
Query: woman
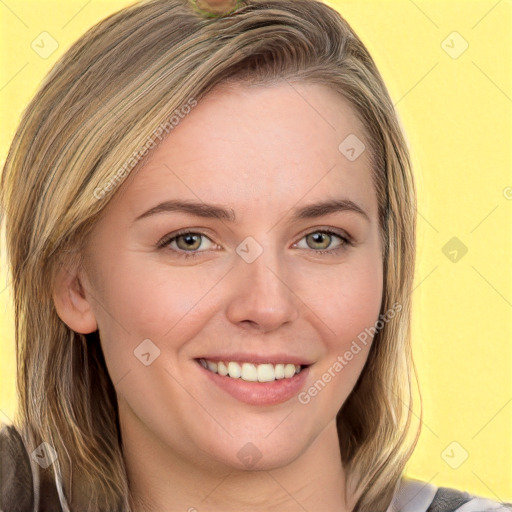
x: 216, y: 213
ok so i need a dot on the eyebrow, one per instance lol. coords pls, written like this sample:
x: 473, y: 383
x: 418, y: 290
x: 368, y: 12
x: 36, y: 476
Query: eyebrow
x: 211, y: 211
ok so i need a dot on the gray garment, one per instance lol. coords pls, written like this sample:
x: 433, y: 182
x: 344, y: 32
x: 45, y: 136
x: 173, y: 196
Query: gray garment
x: 416, y: 496
x: 20, y: 493
x: 15, y: 474
x: 20, y: 489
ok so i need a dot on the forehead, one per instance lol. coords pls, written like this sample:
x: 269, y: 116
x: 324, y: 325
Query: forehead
x: 260, y: 142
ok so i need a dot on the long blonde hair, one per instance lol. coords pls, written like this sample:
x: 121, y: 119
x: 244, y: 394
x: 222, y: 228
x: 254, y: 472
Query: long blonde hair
x: 82, y: 135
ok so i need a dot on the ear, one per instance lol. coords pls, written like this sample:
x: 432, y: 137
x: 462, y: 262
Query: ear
x: 71, y: 303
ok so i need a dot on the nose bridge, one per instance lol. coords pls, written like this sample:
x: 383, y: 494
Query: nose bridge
x: 262, y: 294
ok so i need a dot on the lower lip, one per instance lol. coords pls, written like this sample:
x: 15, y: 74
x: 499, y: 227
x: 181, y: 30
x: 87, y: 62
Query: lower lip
x: 260, y: 393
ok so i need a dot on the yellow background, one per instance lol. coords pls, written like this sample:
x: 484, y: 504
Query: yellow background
x: 456, y: 114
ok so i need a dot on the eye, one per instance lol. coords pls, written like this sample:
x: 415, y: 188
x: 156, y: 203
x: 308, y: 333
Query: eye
x: 186, y: 243
x: 321, y: 241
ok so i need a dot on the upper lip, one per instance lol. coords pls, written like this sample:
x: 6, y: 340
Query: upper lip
x: 240, y: 357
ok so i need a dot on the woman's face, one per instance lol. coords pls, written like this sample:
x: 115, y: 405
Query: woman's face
x: 251, y: 283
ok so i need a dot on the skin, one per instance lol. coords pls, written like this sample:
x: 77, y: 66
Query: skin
x: 261, y: 151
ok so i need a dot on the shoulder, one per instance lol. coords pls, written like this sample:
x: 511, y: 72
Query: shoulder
x: 416, y: 496
x: 16, y: 490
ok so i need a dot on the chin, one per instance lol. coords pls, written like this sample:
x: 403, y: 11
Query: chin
x: 257, y: 453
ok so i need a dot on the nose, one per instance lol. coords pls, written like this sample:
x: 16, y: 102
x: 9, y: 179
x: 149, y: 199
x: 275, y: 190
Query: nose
x: 262, y: 299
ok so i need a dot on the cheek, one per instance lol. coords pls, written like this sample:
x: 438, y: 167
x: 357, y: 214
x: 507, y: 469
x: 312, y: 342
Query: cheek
x: 348, y: 299
x: 148, y: 297
x: 348, y: 304
x: 349, y: 308
x: 359, y: 301
x: 135, y: 302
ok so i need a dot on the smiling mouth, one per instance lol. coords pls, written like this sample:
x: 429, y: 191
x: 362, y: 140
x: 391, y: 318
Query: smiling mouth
x: 249, y: 372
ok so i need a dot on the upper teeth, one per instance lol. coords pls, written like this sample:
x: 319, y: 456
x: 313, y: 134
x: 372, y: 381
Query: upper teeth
x: 266, y: 372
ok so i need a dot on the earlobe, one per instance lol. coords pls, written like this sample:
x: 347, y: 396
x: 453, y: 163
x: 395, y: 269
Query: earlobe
x: 71, y: 303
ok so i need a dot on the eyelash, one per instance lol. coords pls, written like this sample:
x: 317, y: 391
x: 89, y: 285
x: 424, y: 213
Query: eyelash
x: 193, y: 254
